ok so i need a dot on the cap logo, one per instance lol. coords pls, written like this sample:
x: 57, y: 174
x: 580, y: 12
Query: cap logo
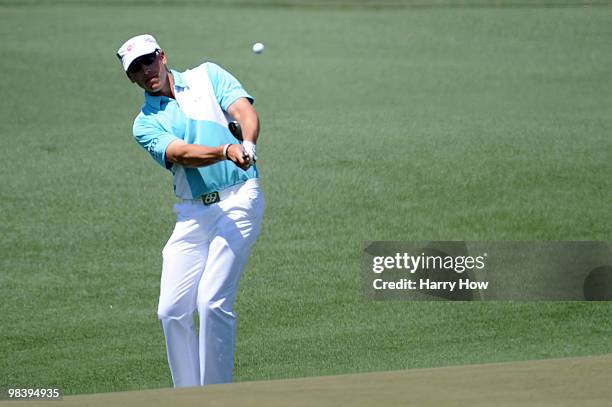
x: 130, y: 47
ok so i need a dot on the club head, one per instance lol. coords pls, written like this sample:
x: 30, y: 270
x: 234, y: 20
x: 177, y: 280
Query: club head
x: 234, y: 128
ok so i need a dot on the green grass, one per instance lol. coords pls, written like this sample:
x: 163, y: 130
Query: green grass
x: 405, y: 123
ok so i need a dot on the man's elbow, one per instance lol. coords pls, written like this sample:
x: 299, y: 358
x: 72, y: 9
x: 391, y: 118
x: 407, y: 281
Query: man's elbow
x: 178, y: 153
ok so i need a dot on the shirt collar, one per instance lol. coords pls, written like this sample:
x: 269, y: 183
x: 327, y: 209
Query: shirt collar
x: 156, y: 101
x: 179, y: 79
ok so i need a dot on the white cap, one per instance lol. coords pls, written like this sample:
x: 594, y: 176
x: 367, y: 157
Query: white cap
x: 136, y: 47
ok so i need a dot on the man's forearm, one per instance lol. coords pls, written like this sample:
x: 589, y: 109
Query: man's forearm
x: 245, y: 114
x: 194, y: 155
x: 250, y: 128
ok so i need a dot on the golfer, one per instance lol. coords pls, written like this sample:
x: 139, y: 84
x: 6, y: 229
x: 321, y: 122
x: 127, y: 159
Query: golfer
x: 183, y: 125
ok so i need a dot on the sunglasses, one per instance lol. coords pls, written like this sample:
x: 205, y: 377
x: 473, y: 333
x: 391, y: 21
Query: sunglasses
x: 144, y: 60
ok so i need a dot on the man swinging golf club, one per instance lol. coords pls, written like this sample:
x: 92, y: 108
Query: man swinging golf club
x: 183, y: 124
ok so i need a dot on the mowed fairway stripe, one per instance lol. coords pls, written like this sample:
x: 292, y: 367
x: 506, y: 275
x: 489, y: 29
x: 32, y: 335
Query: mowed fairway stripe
x: 554, y: 382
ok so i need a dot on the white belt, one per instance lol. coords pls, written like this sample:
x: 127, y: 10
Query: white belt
x: 217, y: 196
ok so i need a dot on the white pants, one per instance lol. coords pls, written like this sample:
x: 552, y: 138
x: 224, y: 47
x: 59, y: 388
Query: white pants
x: 203, y: 262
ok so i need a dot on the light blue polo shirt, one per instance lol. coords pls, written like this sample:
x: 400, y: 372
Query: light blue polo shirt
x: 198, y: 115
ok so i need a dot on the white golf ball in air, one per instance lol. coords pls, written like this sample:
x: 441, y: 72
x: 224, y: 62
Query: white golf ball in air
x: 258, y: 47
